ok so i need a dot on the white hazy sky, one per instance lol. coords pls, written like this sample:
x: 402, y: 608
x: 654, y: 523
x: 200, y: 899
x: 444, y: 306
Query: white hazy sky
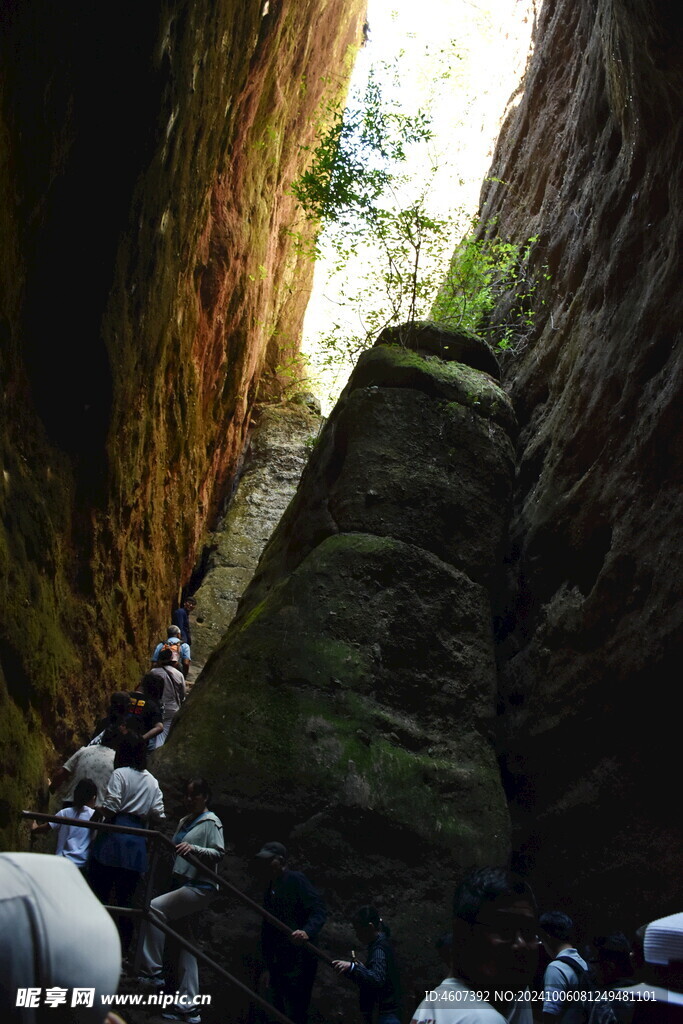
x: 490, y: 42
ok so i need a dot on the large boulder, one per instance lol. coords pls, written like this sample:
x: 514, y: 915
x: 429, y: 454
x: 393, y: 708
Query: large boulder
x: 349, y: 710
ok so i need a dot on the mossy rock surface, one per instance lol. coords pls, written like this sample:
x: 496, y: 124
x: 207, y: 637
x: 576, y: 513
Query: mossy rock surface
x: 449, y: 345
x: 349, y: 710
x: 395, y: 365
x: 417, y: 449
x: 363, y: 680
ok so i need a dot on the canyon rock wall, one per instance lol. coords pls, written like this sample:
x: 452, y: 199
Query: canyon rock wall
x: 349, y: 711
x: 274, y: 461
x: 591, y: 640
x: 149, y: 295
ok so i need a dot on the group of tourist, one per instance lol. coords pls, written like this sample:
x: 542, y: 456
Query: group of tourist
x: 491, y: 953
x: 109, y: 776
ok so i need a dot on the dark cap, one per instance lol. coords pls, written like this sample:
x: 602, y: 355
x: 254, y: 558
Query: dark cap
x: 119, y: 701
x: 615, y: 943
x: 270, y: 850
x: 165, y: 657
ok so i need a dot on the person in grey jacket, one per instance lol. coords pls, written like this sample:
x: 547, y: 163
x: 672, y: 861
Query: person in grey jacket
x: 201, y: 833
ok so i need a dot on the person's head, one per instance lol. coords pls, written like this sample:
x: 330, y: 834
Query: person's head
x: 85, y: 793
x: 111, y: 737
x: 271, y: 860
x: 174, y: 631
x: 189, y: 604
x: 118, y: 706
x: 165, y: 657
x: 495, y: 943
x: 197, y: 795
x: 131, y: 752
x: 152, y: 685
x: 556, y: 931
x: 367, y: 923
x: 613, y: 958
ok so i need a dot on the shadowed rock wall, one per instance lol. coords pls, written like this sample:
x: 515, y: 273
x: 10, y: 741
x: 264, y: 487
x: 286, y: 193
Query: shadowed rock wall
x: 349, y: 711
x: 148, y: 289
x: 591, y: 161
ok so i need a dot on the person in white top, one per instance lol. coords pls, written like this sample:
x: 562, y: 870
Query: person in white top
x: 73, y: 842
x: 495, y: 953
x: 119, y: 859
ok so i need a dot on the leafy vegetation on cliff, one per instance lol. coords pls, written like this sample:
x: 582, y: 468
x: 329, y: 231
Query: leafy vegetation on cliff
x: 393, y: 258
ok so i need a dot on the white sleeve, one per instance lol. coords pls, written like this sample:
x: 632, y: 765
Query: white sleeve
x: 112, y: 800
x: 70, y: 765
x: 66, y: 812
x: 157, y: 808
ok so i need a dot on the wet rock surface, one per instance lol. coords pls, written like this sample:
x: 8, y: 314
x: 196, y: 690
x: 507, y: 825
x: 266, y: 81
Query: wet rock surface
x: 349, y: 710
x: 590, y: 161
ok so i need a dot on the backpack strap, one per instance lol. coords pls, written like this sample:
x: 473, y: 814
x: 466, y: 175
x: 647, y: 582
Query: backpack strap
x: 176, y: 688
x: 583, y: 975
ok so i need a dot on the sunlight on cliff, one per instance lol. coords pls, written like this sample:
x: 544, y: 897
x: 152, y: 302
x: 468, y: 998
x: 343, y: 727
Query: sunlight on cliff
x: 463, y: 61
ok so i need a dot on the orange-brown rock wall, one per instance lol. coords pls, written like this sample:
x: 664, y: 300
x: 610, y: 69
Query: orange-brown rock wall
x: 149, y: 292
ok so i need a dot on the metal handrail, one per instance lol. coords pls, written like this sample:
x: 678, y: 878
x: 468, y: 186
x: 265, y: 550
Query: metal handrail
x: 155, y: 918
x: 151, y: 915
x: 192, y: 859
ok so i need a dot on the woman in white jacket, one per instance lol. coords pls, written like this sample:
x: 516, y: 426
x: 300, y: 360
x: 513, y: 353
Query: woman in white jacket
x: 200, y: 832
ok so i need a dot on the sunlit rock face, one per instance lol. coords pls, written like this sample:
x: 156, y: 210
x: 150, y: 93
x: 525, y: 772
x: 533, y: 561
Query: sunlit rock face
x: 591, y: 642
x: 150, y: 291
x: 350, y: 709
x: 276, y: 455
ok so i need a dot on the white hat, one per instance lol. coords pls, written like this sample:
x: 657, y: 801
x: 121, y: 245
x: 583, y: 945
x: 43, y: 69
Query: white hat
x: 664, y: 940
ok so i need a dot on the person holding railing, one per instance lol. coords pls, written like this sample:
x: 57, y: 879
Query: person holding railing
x: 200, y: 833
x: 377, y: 978
x: 73, y: 842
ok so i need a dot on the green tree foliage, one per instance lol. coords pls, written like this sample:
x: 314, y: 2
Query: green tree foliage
x: 393, y: 259
x: 480, y: 272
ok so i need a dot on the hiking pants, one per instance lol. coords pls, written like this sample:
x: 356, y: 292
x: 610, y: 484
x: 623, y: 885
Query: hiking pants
x: 175, y: 905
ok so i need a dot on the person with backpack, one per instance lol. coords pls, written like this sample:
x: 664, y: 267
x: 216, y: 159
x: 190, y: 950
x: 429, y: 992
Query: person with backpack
x: 145, y: 712
x: 567, y: 976
x: 180, y: 651
x: 377, y: 978
x: 173, y: 693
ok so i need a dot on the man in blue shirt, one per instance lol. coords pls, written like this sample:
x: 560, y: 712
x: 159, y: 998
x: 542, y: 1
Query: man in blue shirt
x: 566, y: 971
x: 180, y: 652
x: 181, y: 619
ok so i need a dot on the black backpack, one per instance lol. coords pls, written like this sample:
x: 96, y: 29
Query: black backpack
x: 577, y: 1009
